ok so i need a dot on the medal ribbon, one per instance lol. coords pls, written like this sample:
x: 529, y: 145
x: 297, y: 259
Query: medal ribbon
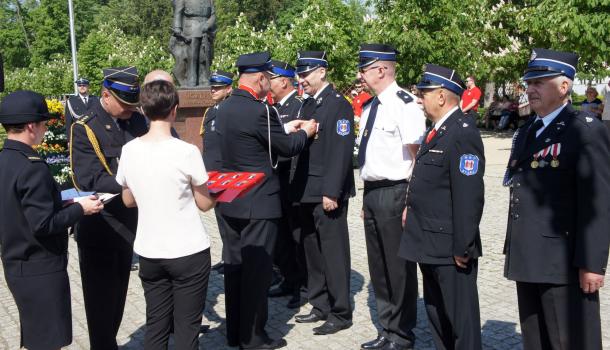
x: 556, y: 149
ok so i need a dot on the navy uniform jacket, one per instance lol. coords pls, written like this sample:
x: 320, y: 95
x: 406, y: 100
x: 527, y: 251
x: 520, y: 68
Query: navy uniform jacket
x: 115, y: 221
x: 34, y: 230
x: 245, y: 147
x: 446, y: 195
x: 212, y: 137
x: 324, y: 168
x: 559, y: 217
x: 289, y: 111
x: 79, y: 108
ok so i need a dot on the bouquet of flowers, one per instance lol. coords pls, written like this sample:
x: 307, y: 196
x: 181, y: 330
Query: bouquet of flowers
x: 54, y: 147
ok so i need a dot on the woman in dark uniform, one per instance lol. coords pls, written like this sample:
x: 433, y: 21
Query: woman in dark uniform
x: 34, y: 230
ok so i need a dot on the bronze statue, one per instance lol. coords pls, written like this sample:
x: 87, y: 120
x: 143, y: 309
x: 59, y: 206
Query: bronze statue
x: 192, y: 42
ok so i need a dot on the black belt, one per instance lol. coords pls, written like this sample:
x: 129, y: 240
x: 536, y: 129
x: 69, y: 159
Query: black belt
x: 371, y: 185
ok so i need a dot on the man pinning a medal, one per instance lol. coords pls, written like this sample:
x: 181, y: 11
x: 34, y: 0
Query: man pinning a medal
x: 557, y: 236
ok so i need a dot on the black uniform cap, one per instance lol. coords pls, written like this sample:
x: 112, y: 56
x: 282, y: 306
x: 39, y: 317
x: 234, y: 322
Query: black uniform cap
x: 22, y: 107
x: 82, y: 81
x: 310, y: 60
x: 436, y: 76
x: 371, y: 53
x: 123, y: 83
x: 254, y: 62
x: 550, y: 63
x: 282, y: 69
x: 221, y: 78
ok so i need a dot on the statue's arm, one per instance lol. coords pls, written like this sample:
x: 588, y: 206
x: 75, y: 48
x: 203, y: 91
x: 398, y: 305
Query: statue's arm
x: 211, y: 22
x: 178, y: 11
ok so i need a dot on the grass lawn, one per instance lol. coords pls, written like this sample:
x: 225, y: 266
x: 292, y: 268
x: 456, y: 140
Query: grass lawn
x: 2, y: 136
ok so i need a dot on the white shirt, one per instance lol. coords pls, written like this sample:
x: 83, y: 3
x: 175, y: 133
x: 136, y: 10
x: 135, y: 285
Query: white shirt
x: 438, y: 124
x: 84, y: 98
x: 547, y: 119
x: 283, y: 100
x: 397, y: 124
x: 161, y: 176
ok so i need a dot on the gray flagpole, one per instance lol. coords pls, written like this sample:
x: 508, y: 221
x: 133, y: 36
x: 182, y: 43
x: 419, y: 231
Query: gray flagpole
x: 73, y: 45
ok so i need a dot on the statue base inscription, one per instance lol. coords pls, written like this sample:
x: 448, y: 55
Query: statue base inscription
x: 193, y: 103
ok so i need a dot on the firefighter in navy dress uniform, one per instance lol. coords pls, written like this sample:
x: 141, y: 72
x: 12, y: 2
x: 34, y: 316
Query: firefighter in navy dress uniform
x: 558, y: 225
x: 34, y: 230
x: 393, y: 125
x: 78, y: 105
x: 105, y: 241
x: 444, y: 207
x: 288, y: 254
x: 221, y: 86
x: 322, y: 185
x: 252, y: 138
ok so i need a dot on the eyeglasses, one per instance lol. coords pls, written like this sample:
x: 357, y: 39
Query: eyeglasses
x: 363, y: 70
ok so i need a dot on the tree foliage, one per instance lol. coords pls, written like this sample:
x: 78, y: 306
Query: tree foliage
x: 490, y: 39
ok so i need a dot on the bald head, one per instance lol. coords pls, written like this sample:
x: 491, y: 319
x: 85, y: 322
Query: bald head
x: 158, y: 74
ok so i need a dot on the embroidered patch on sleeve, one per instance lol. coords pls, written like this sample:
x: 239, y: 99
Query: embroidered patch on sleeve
x: 469, y: 164
x: 343, y: 127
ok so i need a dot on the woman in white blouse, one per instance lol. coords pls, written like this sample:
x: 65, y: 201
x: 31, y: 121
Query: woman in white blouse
x: 166, y: 179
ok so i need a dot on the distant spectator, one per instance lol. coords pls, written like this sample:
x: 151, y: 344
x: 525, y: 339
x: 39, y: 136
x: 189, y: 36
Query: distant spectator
x: 471, y: 98
x: 493, y: 114
x: 360, y: 97
x: 606, y: 105
x: 525, y: 110
x: 592, y: 106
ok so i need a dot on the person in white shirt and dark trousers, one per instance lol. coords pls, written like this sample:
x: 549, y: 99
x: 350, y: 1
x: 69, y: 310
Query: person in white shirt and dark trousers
x: 166, y: 179
x: 392, y: 127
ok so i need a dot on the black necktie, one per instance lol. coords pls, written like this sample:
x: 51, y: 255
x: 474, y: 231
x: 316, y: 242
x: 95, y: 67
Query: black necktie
x: 370, y: 121
x: 531, y: 134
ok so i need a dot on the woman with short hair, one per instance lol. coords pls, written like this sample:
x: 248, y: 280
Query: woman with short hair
x: 166, y: 179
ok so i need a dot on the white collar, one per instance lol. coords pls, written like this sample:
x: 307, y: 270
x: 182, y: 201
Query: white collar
x: 440, y: 122
x: 83, y: 96
x: 320, y: 91
x: 547, y: 119
x: 389, y: 91
x: 283, y: 100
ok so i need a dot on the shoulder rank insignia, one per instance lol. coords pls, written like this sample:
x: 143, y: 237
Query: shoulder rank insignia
x: 34, y: 158
x: 299, y: 97
x: 465, y: 125
x: 589, y: 119
x: 404, y: 96
x: 469, y: 164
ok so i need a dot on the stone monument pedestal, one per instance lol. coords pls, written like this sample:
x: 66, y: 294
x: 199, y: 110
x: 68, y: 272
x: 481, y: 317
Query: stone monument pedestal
x: 193, y: 104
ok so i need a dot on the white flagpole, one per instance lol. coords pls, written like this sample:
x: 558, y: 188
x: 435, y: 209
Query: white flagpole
x: 73, y: 45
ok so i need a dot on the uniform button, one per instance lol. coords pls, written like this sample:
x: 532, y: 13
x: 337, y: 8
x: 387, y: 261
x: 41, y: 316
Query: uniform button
x: 440, y: 229
x: 567, y: 233
x: 516, y: 200
x: 518, y: 184
x: 520, y: 169
x: 515, y: 216
x: 408, y: 207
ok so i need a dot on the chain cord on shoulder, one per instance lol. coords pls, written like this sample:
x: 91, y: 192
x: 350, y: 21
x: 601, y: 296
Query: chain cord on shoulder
x: 96, y: 149
x: 274, y: 166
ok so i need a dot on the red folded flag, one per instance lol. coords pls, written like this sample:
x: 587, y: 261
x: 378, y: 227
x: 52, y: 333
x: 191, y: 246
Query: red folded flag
x: 229, y: 186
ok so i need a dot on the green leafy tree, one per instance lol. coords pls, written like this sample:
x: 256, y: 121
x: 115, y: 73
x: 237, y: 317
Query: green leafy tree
x: 140, y: 18
x: 14, y: 42
x: 110, y: 47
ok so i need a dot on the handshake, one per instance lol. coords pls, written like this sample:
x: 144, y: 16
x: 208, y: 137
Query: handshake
x: 309, y: 126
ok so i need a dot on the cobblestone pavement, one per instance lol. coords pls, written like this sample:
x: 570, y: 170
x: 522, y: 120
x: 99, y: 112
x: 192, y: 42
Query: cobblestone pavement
x: 497, y: 295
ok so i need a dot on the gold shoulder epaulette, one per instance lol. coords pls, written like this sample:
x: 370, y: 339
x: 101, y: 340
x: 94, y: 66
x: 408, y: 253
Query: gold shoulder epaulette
x: 84, y: 119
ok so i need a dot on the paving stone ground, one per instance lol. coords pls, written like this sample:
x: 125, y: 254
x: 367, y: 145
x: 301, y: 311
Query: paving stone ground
x: 499, y: 317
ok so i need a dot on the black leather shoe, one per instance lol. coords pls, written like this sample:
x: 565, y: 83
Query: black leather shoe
x: 219, y: 265
x: 330, y: 327
x: 309, y: 318
x: 393, y: 346
x: 375, y: 344
x: 279, y: 291
x: 270, y: 344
